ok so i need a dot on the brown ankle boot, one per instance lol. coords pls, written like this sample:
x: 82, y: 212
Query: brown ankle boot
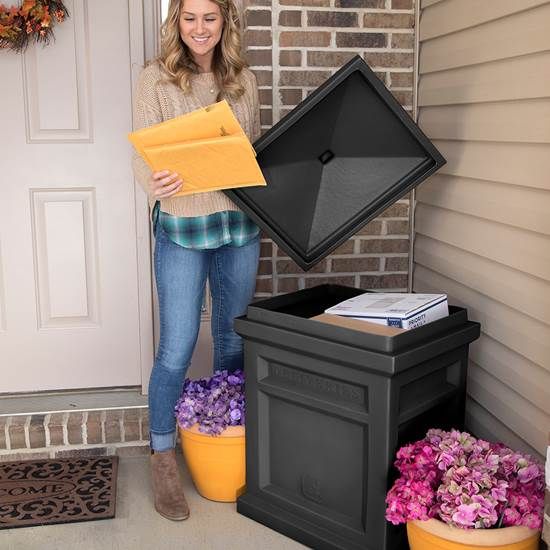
x: 167, y: 486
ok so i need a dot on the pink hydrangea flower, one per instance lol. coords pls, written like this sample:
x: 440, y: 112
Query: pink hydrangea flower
x: 465, y: 515
x: 466, y: 482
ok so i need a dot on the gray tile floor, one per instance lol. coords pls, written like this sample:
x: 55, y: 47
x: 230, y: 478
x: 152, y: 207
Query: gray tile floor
x: 211, y: 525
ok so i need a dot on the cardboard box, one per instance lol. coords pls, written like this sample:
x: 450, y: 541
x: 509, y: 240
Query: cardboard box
x: 401, y: 310
x: 355, y: 324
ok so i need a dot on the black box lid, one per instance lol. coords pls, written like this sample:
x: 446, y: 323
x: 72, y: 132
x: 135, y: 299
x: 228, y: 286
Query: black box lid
x: 336, y: 161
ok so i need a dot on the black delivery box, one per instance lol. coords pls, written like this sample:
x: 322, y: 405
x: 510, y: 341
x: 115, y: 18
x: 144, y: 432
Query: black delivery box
x: 327, y: 407
x: 336, y: 161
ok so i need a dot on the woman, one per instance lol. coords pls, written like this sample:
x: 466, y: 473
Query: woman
x: 196, y: 236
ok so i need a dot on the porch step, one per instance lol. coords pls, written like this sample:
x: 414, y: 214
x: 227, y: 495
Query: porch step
x: 124, y: 432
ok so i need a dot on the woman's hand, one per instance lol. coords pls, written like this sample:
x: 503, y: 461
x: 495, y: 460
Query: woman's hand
x: 164, y: 184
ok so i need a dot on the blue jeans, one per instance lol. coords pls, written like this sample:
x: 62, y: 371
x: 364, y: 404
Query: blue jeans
x: 181, y: 275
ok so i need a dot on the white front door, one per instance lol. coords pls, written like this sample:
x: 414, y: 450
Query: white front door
x: 71, y: 250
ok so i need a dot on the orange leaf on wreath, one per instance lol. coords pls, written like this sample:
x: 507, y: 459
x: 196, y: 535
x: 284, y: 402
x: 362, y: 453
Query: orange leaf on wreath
x: 32, y: 22
x: 27, y: 6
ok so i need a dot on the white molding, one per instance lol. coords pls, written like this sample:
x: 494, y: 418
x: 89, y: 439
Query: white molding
x: 50, y: 316
x: 70, y: 401
x: 81, y: 130
x: 139, y: 36
x: 152, y: 22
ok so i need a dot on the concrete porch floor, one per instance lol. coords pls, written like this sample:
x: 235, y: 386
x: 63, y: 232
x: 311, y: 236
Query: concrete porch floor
x: 137, y: 526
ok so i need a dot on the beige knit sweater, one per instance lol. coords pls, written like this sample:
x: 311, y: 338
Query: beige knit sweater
x: 156, y: 101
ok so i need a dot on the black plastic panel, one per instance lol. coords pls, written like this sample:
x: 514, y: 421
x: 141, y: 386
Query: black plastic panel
x: 341, y: 157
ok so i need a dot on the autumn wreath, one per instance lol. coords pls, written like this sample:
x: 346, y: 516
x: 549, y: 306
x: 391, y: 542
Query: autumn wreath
x: 33, y: 21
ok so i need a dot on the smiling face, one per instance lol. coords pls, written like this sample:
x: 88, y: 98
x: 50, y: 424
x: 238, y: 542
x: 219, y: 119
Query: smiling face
x: 201, y: 25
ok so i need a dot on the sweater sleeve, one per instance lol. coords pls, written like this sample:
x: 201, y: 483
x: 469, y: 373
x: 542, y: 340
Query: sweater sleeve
x: 146, y: 112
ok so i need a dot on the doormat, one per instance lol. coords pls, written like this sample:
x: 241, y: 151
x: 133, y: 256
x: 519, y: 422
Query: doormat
x: 59, y: 490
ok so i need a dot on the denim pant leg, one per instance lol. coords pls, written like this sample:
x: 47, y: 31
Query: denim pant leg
x: 232, y: 279
x: 180, y: 279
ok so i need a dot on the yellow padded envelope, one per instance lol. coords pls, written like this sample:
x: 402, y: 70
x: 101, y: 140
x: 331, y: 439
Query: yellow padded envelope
x: 207, y: 148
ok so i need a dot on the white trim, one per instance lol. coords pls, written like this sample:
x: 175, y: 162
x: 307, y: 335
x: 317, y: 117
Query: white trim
x: 144, y: 29
x: 71, y: 401
x: 152, y: 21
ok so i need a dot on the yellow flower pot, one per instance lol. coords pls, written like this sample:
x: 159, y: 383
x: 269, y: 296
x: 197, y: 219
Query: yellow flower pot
x: 437, y: 535
x: 217, y: 463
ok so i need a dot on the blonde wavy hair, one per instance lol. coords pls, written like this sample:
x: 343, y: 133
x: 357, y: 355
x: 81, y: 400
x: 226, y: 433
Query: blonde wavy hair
x: 227, y: 63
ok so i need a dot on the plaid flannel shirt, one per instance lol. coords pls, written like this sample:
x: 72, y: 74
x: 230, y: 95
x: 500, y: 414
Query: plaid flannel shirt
x: 232, y: 228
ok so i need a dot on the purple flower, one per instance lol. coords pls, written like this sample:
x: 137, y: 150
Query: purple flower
x: 465, y: 482
x: 214, y: 402
x: 233, y: 380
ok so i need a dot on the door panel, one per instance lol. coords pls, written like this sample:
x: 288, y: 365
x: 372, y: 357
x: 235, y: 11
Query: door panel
x: 70, y: 309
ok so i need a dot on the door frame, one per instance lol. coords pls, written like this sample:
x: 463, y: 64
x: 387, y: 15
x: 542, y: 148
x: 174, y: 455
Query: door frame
x: 144, y: 24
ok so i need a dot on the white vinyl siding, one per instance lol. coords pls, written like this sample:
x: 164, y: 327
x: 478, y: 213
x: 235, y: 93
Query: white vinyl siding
x: 482, y: 223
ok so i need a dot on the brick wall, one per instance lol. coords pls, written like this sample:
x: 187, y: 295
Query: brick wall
x: 295, y: 45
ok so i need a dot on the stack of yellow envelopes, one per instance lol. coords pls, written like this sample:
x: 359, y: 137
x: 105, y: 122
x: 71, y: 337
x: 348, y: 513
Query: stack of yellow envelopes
x: 207, y: 148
